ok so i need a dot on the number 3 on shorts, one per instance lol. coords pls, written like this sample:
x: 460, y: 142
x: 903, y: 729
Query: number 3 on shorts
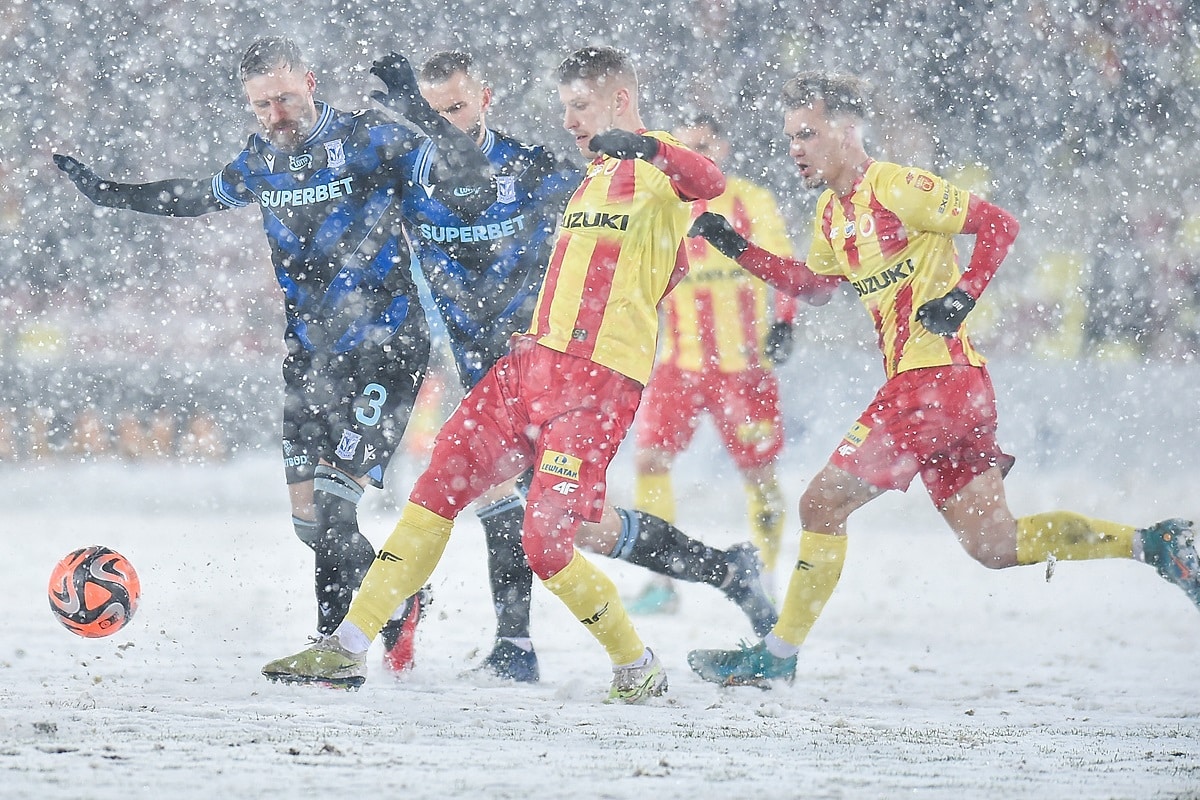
x: 376, y: 396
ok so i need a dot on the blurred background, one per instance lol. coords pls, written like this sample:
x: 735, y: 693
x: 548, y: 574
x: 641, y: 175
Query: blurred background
x: 133, y: 337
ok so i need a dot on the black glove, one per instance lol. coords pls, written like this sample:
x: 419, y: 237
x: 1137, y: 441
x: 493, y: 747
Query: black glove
x: 89, y: 183
x: 780, y: 341
x: 720, y: 234
x: 624, y: 144
x: 403, y: 95
x: 945, y: 314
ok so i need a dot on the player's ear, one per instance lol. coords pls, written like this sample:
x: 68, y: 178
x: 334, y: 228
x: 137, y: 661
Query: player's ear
x: 310, y: 80
x: 621, y: 100
x: 487, y: 98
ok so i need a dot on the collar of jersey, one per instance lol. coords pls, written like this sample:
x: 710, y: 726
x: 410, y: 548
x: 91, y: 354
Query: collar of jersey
x: 324, y: 117
x: 489, y: 141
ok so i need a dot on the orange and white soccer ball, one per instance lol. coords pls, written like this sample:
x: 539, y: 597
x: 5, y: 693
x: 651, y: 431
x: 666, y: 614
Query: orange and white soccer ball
x: 94, y: 591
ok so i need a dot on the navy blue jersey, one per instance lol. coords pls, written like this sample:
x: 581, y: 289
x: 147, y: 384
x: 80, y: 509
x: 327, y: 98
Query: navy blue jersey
x: 332, y: 215
x: 484, y: 272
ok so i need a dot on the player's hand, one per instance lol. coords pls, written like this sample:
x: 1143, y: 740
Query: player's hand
x: 781, y: 339
x: 944, y: 315
x: 720, y: 234
x: 624, y: 144
x: 91, y: 185
x: 398, y: 76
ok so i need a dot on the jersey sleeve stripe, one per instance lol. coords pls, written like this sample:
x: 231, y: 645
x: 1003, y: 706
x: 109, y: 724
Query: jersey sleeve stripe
x: 224, y: 197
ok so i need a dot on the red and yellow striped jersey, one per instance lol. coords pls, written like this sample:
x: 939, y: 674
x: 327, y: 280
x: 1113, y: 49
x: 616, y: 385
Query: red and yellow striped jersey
x: 719, y: 314
x: 618, y: 248
x: 892, y: 238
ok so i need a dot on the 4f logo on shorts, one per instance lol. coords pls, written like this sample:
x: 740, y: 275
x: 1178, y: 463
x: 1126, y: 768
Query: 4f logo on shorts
x: 348, y: 445
x: 854, y: 437
x: 564, y: 488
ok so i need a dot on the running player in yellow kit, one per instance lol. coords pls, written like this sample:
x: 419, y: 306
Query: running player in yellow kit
x: 888, y: 230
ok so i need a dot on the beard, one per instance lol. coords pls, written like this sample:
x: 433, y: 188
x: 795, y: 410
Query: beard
x: 289, y: 136
x: 285, y: 137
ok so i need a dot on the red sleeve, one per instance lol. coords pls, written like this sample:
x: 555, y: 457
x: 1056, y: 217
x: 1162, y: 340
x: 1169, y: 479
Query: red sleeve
x: 789, y: 275
x: 693, y: 176
x: 785, y: 308
x: 995, y: 230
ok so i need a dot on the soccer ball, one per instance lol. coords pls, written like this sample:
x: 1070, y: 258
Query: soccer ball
x: 94, y: 591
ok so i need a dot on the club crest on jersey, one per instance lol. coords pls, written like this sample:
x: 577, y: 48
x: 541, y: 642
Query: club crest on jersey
x: 302, y: 161
x: 335, y: 154
x: 506, y: 189
x: 560, y: 464
x: 348, y: 445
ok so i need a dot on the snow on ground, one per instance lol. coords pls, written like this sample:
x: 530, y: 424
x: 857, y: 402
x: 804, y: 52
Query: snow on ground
x: 928, y: 675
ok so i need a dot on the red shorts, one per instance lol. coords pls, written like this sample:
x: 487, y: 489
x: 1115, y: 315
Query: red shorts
x: 744, y: 407
x: 938, y: 422
x: 562, y: 415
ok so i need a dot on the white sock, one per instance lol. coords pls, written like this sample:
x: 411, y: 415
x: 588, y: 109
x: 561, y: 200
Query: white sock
x: 778, y: 647
x: 645, y: 660
x: 352, y: 638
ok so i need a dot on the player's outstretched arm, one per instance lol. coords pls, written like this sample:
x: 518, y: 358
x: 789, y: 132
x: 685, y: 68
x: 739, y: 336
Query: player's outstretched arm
x: 460, y: 160
x: 693, y: 176
x: 169, y: 198
x: 785, y: 274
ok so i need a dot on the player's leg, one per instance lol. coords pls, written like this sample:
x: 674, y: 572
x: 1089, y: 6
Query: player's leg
x: 868, y: 461
x: 501, y: 512
x: 654, y: 494
x: 302, y: 447
x: 582, y: 415
x: 666, y: 423
x: 830, y: 498
x: 366, y: 398
x: 988, y: 531
x: 647, y: 541
x: 745, y: 407
x: 478, y: 447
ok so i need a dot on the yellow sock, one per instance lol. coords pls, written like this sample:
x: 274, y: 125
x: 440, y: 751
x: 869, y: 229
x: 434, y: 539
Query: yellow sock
x: 653, y: 494
x: 817, y: 573
x: 764, y: 502
x: 594, y: 601
x: 1071, y: 537
x: 401, y: 568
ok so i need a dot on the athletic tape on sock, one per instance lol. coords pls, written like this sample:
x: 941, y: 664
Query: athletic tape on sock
x: 337, y: 483
x: 630, y: 528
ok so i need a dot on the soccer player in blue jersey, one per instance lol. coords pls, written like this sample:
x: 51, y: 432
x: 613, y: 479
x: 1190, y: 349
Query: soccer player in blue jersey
x: 484, y: 274
x: 330, y: 186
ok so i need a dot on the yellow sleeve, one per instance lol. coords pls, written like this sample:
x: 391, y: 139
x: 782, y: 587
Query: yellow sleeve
x: 924, y: 201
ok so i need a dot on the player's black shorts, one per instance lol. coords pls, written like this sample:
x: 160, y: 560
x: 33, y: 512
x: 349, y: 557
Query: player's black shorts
x: 350, y: 410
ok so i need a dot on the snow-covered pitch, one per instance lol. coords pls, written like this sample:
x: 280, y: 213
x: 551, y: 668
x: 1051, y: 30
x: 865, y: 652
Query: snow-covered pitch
x: 927, y: 676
